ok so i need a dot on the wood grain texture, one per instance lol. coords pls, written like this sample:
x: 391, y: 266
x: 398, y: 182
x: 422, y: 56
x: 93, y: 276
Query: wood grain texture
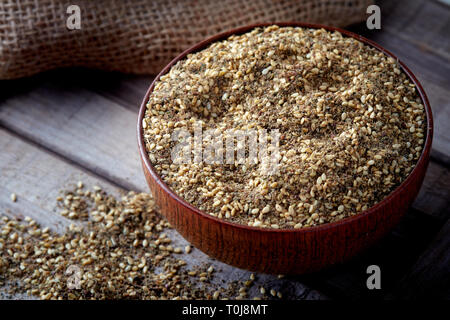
x: 46, y: 127
x: 37, y: 177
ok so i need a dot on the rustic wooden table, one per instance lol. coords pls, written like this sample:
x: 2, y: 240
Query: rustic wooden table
x: 68, y: 125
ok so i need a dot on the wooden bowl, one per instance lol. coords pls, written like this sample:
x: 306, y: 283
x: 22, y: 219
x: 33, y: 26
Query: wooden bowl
x: 284, y: 251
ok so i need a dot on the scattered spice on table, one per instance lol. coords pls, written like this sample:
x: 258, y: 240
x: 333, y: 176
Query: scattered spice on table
x: 115, y: 249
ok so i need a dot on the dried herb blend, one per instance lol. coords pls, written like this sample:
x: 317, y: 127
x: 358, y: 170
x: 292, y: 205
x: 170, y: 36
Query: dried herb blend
x: 351, y: 126
x: 116, y: 249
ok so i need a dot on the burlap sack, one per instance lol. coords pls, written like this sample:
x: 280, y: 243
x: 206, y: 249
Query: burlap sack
x: 138, y: 36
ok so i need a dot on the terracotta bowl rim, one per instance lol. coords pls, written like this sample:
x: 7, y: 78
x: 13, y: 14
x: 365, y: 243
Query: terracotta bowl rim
x: 323, y: 227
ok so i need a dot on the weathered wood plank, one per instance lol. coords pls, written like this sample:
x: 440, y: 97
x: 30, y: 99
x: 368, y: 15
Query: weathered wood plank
x: 37, y: 177
x: 81, y: 125
x: 123, y: 89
